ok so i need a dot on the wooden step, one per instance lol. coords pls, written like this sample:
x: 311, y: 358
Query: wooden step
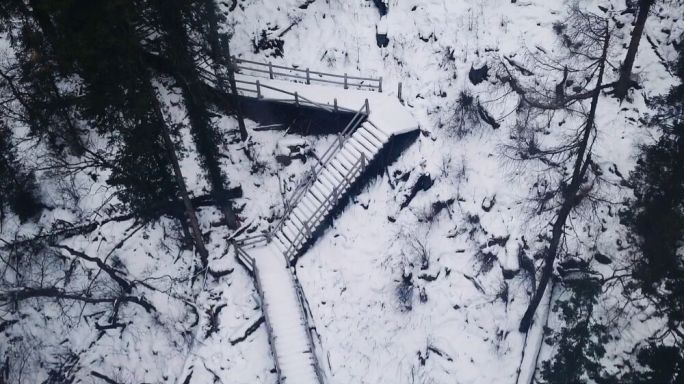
x: 299, y: 215
x: 382, y: 135
x: 296, y: 221
x: 331, y: 176
x: 348, y: 155
x: 288, y: 232
x: 317, y: 193
x: 371, y: 130
x: 336, y: 167
x: 352, y: 149
x: 283, y: 240
x: 310, y: 202
x: 323, y: 179
x: 305, y: 208
x: 366, y: 152
x: 317, y: 186
x: 336, y: 174
x: 366, y: 144
x: 279, y: 244
x: 293, y: 228
x: 368, y: 136
x: 342, y: 161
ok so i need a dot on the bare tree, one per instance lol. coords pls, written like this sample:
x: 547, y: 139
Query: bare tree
x: 625, y: 81
x: 585, y: 36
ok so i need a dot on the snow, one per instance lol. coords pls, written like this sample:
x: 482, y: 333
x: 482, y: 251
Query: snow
x: 466, y: 331
x: 287, y: 324
x: 350, y: 275
x: 284, y: 315
x: 385, y: 112
x: 382, y: 26
x: 534, y: 338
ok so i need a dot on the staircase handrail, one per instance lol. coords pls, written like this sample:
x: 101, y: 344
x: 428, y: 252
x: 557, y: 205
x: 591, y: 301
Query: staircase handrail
x: 323, y: 160
x: 374, y: 82
x: 251, y: 241
x: 267, y: 320
x: 330, y: 200
x: 297, y: 97
x: 342, y: 137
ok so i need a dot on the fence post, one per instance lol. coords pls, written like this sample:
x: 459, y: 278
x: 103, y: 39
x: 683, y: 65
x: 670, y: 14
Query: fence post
x: 270, y: 70
x: 258, y: 85
x: 233, y: 63
x: 339, y: 140
x: 296, y: 99
x: 380, y: 85
x: 367, y: 107
x: 335, y: 105
x: 345, y: 81
x: 399, y: 93
x: 308, y: 79
x: 307, y: 230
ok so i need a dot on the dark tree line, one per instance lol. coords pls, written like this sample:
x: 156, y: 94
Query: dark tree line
x: 656, y: 219
x: 652, y: 281
x: 87, y: 69
x: 83, y: 95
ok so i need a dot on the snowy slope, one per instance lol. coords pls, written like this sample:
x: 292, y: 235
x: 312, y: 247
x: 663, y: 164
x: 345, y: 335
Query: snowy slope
x: 466, y: 331
x: 457, y: 322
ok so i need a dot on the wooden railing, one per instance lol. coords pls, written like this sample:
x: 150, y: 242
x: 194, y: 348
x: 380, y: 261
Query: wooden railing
x: 260, y: 239
x: 302, y: 234
x: 304, y: 306
x: 267, y: 320
x: 292, y: 97
x: 244, y: 256
x: 306, y: 75
x: 303, y: 319
x: 323, y: 160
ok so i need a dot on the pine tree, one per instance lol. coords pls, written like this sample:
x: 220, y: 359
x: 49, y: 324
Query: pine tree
x: 656, y: 218
x: 18, y: 188
x: 579, y: 345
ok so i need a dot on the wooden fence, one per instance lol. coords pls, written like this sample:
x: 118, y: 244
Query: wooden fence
x: 306, y: 75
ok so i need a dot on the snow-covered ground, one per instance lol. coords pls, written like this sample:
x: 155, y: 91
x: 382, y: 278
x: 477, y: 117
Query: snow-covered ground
x: 466, y: 330
x: 457, y: 322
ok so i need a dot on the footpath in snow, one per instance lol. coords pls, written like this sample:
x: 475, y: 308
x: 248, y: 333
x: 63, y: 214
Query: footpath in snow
x: 385, y: 112
x: 385, y: 117
x: 287, y: 325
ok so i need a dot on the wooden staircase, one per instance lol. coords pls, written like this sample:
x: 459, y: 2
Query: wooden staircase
x: 320, y: 190
x: 326, y: 189
x: 270, y: 256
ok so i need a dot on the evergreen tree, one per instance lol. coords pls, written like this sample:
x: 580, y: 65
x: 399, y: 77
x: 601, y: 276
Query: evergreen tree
x: 579, y: 343
x: 36, y: 79
x: 179, y: 21
x: 99, y: 40
x: 656, y: 218
x: 18, y: 188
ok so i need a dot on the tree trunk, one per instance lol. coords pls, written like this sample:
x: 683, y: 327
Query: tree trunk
x: 234, y: 91
x: 182, y: 189
x: 570, y: 198
x: 220, y: 44
x: 196, y: 103
x: 625, y: 81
